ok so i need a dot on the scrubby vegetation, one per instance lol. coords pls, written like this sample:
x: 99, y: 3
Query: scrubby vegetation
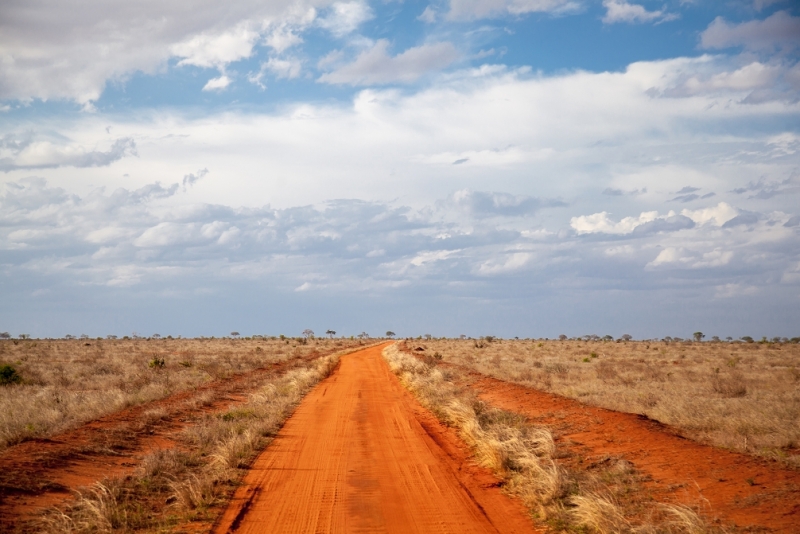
x: 183, y: 488
x: 54, y: 385
x: 744, y: 396
x: 608, y: 499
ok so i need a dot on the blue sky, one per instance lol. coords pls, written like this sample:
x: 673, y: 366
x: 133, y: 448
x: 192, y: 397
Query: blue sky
x: 505, y: 167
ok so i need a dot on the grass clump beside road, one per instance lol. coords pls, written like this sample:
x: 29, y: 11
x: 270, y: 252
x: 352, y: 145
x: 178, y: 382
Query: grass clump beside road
x: 54, y: 385
x: 187, y: 487
x: 743, y: 396
x: 608, y: 499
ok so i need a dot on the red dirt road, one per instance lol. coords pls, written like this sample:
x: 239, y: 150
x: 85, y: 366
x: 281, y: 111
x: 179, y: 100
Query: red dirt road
x: 360, y: 455
x: 738, y: 489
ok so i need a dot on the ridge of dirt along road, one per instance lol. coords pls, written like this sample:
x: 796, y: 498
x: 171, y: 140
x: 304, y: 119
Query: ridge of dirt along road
x: 361, y: 455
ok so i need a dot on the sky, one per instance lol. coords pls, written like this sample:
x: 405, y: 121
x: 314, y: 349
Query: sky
x: 513, y: 168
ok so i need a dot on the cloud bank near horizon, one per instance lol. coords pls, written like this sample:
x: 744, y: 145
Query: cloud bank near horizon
x: 406, y: 179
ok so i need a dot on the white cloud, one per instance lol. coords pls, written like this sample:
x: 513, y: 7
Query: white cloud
x: 778, y: 31
x: 623, y: 11
x: 147, y: 241
x: 476, y: 9
x: 345, y: 17
x: 217, y: 50
x: 48, y: 153
x: 217, y: 84
x: 716, y: 215
x: 428, y: 16
x: 284, y: 68
x: 376, y: 66
x: 93, y: 42
x: 646, y: 222
x: 502, y: 265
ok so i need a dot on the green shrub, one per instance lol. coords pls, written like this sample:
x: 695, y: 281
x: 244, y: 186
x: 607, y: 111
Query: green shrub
x: 9, y: 375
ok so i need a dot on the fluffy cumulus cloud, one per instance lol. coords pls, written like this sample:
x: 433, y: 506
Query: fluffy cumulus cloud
x: 483, y: 190
x: 377, y: 66
x: 139, y: 241
x: 98, y: 41
x: 622, y: 11
x: 476, y: 9
x: 779, y: 31
x: 29, y: 152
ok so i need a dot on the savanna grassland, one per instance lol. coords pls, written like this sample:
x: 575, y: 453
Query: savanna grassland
x: 743, y: 396
x: 55, y: 385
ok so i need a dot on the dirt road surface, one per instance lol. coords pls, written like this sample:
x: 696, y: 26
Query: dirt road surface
x: 751, y: 493
x: 361, y: 455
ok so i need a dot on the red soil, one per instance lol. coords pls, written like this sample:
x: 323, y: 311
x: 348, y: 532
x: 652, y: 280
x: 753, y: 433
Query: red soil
x: 361, y: 455
x: 41, y: 473
x: 749, y: 492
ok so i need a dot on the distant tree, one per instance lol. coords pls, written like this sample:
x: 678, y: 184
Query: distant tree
x: 111, y: 336
x: 428, y: 336
x: 235, y: 334
x: 363, y: 335
x: 698, y: 336
x: 5, y: 335
x: 69, y: 336
x: 729, y: 338
x: 746, y: 339
x: 462, y: 336
x: 156, y: 336
x: 562, y: 337
x: 308, y: 333
x: 330, y: 333
x: 84, y: 336
x: 389, y: 333
x: 24, y: 336
x: 626, y: 337
x: 715, y: 339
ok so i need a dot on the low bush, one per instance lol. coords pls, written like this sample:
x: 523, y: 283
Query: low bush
x: 9, y: 375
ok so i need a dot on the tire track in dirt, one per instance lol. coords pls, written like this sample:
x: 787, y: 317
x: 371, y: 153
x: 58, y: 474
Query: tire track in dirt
x: 736, y: 488
x: 44, y: 472
x: 361, y: 455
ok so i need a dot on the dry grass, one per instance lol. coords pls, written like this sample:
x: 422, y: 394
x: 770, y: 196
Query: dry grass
x: 67, y: 382
x: 744, y: 396
x: 610, y: 499
x: 173, y: 488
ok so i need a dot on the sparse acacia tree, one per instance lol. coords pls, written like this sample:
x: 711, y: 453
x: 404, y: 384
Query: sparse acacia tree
x: 698, y: 336
x: 331, y: 333
x: 626, y: 337
x: 390, y: 334
x: 156, y: 336
x: 5, y: 335
x: 24, y: 336
x: 308, y: 333
x: 111, y: 336
x: 235, y: 334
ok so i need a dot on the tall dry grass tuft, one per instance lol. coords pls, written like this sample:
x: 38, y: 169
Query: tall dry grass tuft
x: 599, y: 513
x: 681, y: 519
x: 183, y: 484
x: 526, y: 458
x: 64, y: 383
x: 742, y: 396
x: 518, y: 452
